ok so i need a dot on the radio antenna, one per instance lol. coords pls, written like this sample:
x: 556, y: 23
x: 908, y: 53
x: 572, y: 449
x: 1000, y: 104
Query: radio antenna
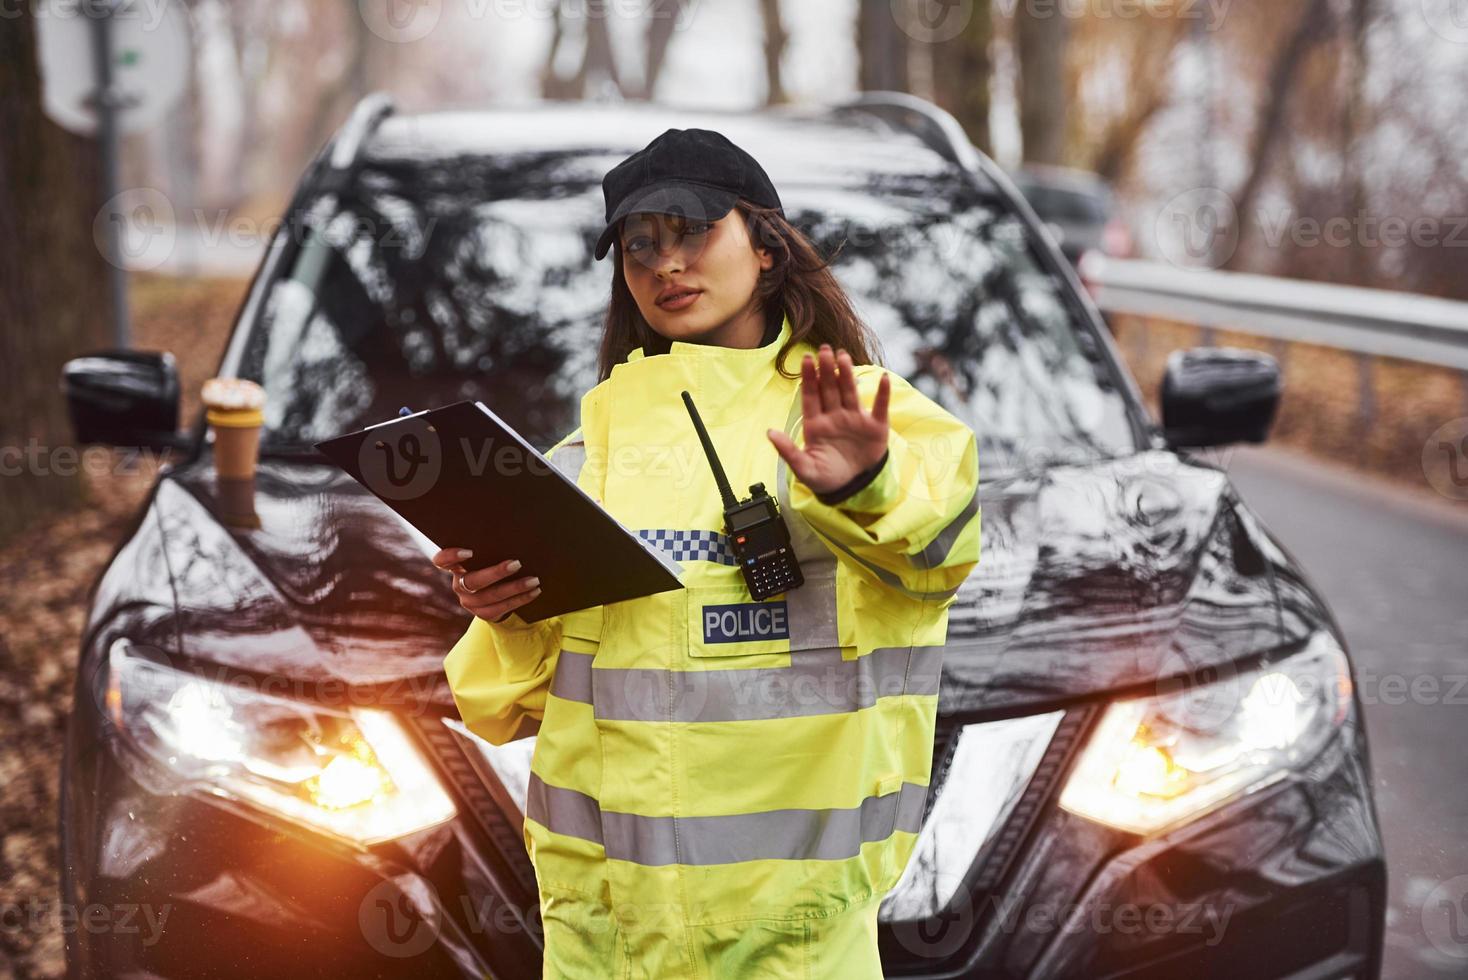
x: 708, y: 450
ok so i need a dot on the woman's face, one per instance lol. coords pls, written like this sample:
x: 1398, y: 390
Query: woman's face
x: 715, y: 261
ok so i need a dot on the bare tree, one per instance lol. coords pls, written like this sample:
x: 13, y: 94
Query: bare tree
x: 1431, y: 181
x: 662, y: 21
x: 775, y: 41
x: 552, y: 84
x: 1354, y: 123
x: 962, y: 69
x: 881, y: 48
x: 1313, y: 22
x: 364, y: 71
x: 598, y: 62
x: 54, y: 303
x: 1104, y: 137
x: 1040, y: 45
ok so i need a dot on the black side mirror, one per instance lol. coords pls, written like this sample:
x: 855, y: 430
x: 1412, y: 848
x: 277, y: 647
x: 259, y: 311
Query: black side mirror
x: 124, y: 398
x: 1213, y: 396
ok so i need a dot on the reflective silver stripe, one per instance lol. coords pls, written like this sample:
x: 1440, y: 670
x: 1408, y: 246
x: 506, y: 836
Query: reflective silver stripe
x: 572, y: 680
x: 817, y: 682
x: 788, y: 834
x: 886, y: 577
x: 924, y: 670
x: 811, y: 609
x: 782, y: 835
x: 565, y: 811
x: 937, y: 550
x: 956, y: 526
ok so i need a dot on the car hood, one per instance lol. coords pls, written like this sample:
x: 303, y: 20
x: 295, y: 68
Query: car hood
x: 331, y: 587
x: 1113, y: 575
x: 1091, y: 578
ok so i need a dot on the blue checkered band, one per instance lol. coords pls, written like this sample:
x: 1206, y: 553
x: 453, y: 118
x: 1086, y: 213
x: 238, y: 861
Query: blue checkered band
x: 691, y: 545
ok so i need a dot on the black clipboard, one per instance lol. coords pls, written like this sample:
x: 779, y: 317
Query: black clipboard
x: 465, y: 478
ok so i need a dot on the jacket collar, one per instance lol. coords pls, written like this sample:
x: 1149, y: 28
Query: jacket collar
x: 728, y: 383
x: 735, y: 356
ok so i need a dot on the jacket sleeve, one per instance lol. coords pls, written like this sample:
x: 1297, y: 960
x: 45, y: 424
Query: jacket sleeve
x: 915, y: 526
x: 501, y: 673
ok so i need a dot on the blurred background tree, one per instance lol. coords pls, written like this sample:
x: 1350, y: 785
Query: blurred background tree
x: 1301, y: 110
x: 54, y: 300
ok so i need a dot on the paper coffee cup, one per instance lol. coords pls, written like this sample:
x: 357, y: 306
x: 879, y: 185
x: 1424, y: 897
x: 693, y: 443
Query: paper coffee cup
x: 236, y: 502
x: 235, y: 408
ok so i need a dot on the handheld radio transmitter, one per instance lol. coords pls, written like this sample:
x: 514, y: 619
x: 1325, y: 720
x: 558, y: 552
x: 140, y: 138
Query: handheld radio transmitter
x: 755, y: 527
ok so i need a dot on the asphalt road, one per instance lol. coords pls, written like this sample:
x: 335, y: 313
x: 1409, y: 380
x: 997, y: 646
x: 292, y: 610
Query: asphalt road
x: 1393, y: 567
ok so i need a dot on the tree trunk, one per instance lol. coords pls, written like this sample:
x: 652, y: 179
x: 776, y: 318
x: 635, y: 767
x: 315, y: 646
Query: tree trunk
x: 1354, y: 124
x: 1313, y: 24
x: 663, y: 20
x: 552, y: 85
x: 1149, y: 88
x: 54, y: 301
x: 598, y: 61
x: 600, y: 65
x: 775, y: 40
x: 881, y: 48
x: 1040, y: 36
x: 962, y: 69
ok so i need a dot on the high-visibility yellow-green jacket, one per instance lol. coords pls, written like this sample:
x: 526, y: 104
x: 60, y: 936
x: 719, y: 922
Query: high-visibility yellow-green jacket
x: 722, y: 787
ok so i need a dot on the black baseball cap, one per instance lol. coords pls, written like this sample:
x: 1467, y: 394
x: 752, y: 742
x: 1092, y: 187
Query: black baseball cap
x: 693, y: 173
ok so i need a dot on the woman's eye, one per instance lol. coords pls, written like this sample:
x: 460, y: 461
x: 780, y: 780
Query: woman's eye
x: 639, y: 242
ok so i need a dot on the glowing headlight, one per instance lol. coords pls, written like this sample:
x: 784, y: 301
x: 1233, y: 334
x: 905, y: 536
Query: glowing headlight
x: 353, y: 774
x: 1155, y: 762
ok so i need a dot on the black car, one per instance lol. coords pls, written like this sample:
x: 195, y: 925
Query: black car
x: 1150, y: 759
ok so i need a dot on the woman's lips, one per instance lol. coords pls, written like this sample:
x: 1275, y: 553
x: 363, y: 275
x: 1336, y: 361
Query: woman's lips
x: 681, y: 302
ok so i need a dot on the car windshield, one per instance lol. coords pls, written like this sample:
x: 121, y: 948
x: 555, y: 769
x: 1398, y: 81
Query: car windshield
x: 431, y: 281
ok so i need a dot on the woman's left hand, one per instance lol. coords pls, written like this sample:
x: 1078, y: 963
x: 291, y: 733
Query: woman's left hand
x: 841, y: 439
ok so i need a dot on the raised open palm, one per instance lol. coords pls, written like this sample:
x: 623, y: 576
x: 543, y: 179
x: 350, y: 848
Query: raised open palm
x: 841, y: 438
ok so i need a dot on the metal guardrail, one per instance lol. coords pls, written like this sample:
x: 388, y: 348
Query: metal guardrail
x: 1365, y: 321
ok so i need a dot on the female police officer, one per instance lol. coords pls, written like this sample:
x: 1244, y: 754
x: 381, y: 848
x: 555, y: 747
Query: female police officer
x: 724, y: 787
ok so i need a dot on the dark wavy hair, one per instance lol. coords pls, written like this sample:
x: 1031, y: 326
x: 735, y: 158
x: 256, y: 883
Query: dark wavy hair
x: 799, y: 283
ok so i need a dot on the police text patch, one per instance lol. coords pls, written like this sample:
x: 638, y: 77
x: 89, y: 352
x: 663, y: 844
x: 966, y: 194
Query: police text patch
x: 742, y: 621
